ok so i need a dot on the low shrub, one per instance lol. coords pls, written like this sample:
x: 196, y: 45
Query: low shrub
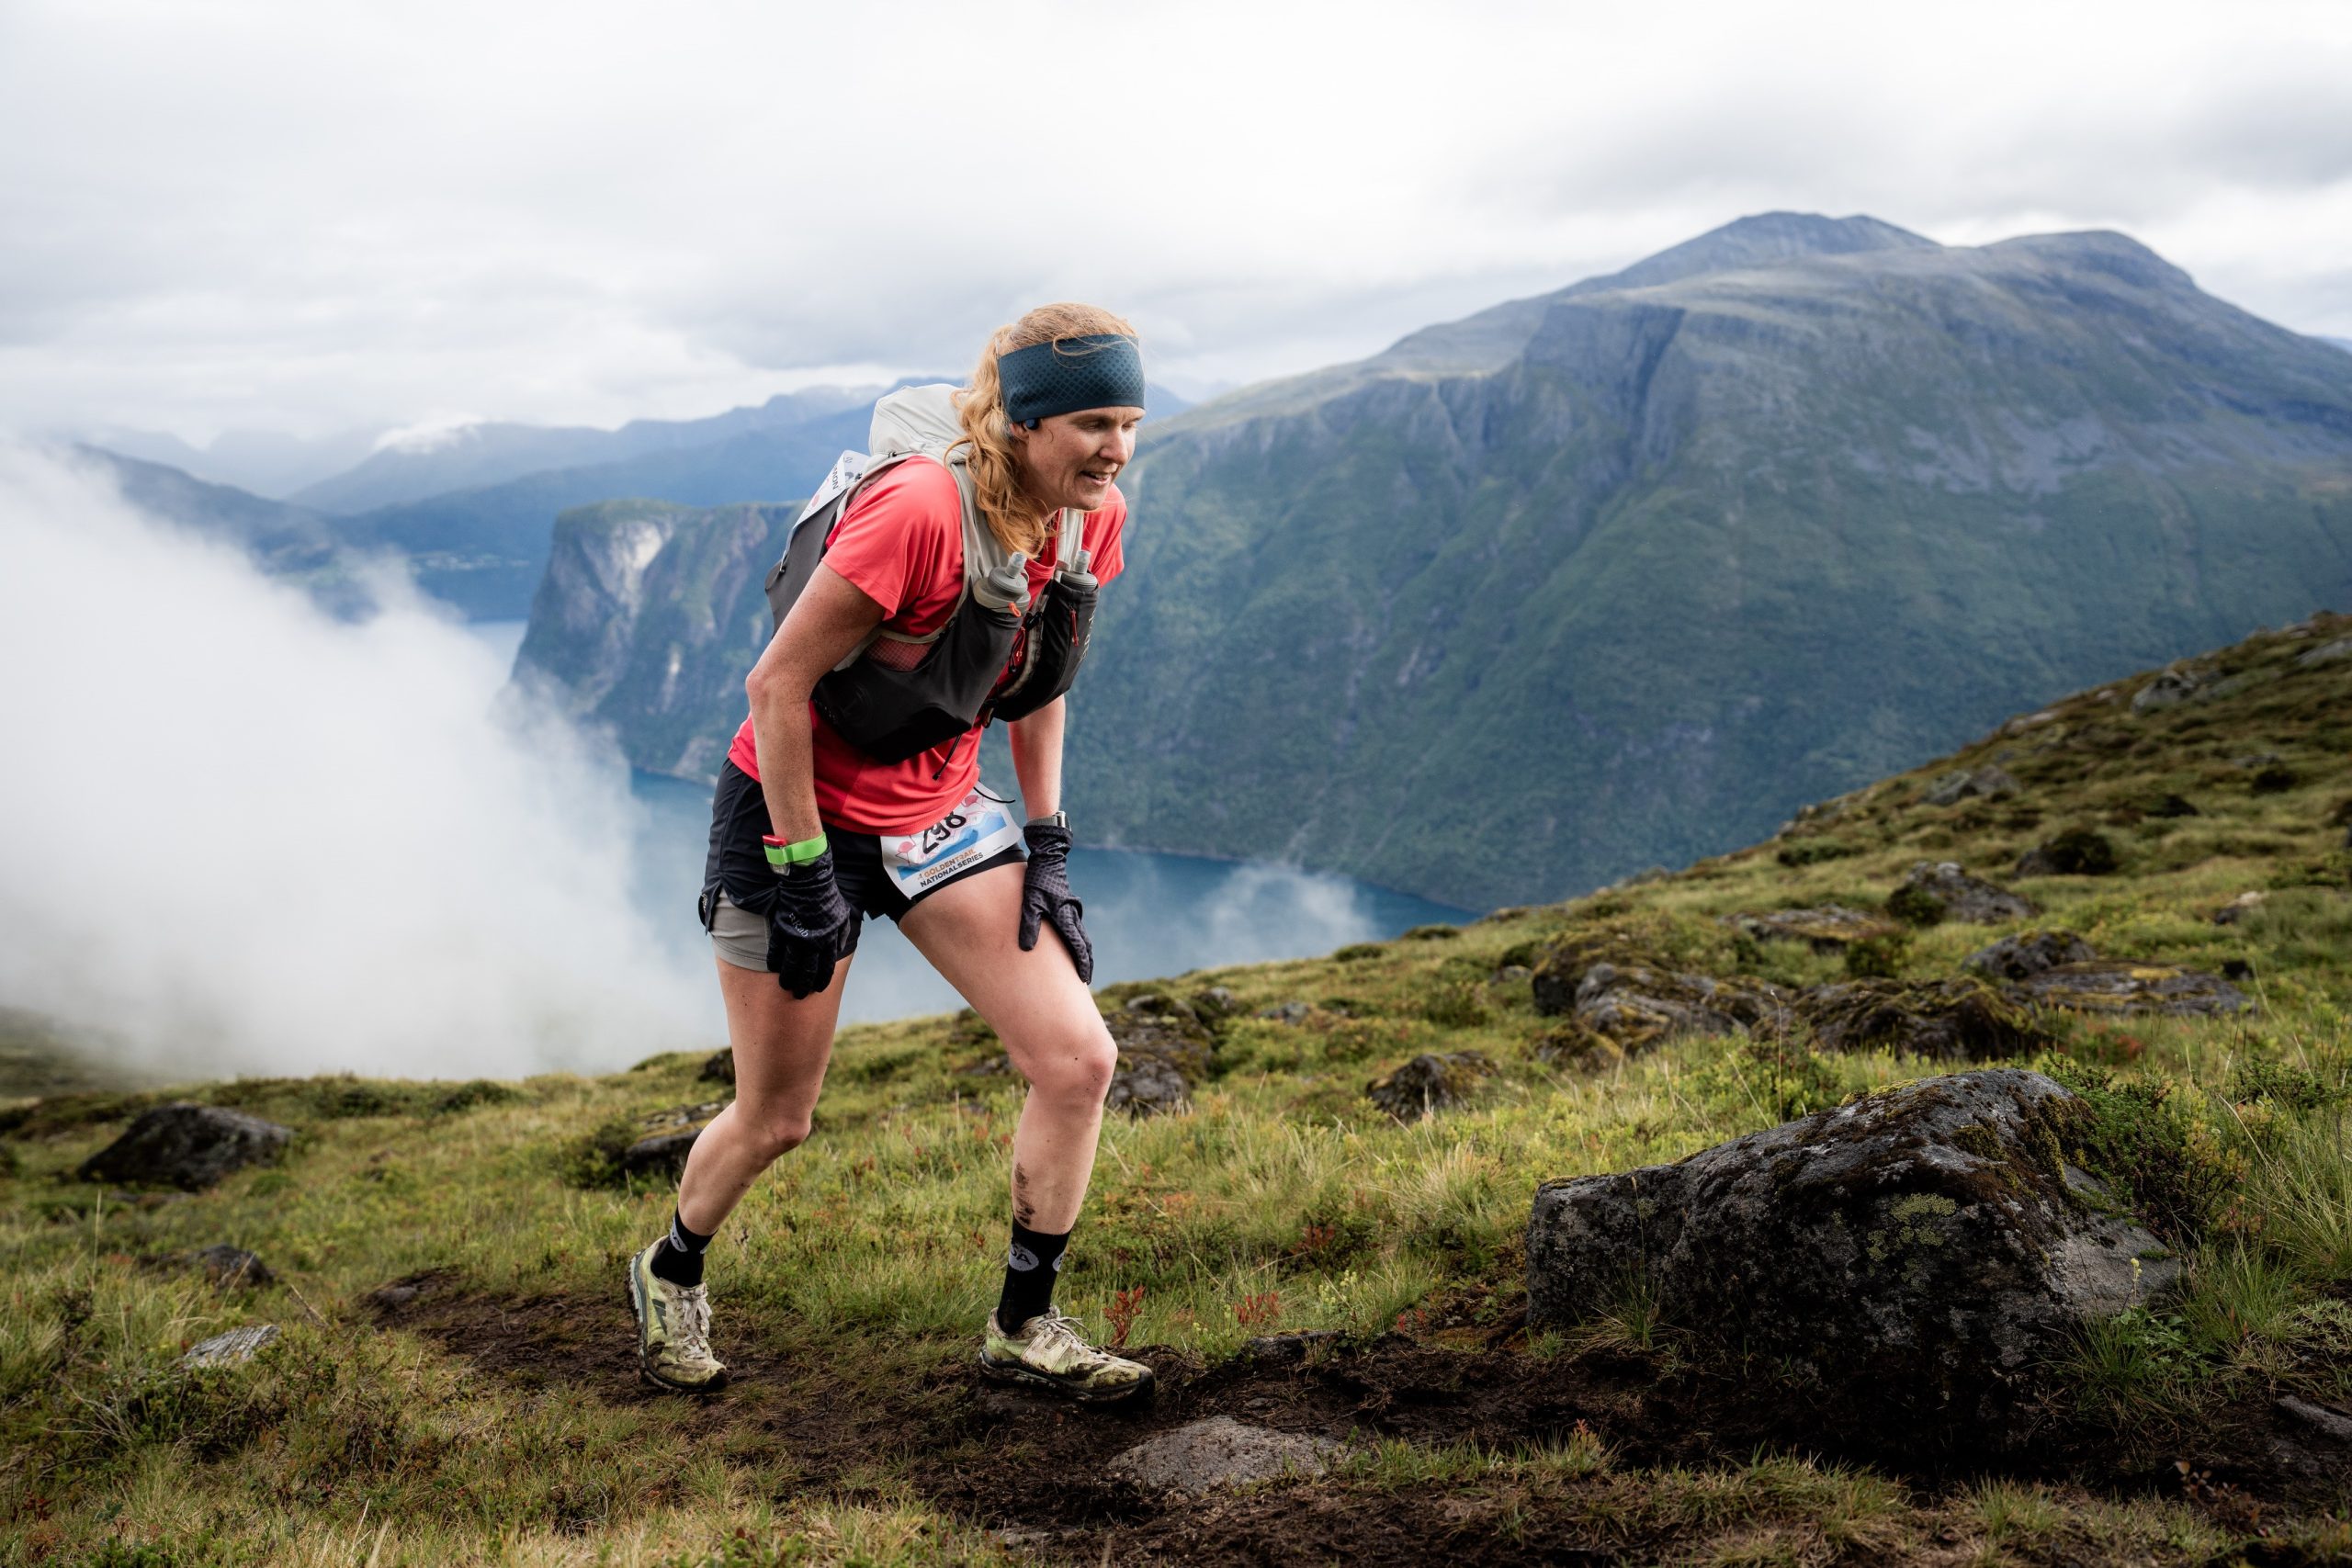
x: 1878, y: 957
x: 1460, y: 1004
x: 1812, y: 851
x: 2154, y: 1152
x: 595, y: 1160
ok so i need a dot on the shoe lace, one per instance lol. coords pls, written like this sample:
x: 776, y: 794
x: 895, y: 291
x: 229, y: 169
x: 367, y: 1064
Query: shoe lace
x: 694, y: 1320
x: 1059, y: 1326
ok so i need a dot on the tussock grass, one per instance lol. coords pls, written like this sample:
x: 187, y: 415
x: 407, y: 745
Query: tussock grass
x: 1283, y: 1201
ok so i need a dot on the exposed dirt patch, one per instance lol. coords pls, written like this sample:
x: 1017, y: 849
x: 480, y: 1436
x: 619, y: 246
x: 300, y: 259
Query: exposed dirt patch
x: 981, y: 1450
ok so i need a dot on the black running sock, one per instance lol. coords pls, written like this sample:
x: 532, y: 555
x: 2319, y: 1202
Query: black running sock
x: 679, y: 1258
x: 1030, y: 1266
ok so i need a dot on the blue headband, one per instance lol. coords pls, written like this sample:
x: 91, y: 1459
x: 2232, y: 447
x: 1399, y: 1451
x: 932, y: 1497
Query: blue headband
x: 1103, y: 370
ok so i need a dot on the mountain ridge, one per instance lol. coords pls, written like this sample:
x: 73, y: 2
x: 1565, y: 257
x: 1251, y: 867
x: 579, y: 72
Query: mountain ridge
x: 1709, y: 544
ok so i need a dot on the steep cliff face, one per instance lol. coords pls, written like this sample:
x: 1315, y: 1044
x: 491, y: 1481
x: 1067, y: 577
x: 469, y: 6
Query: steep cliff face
x: 648, y: 619
x: 1694, y: 553
x: 1622, y: 574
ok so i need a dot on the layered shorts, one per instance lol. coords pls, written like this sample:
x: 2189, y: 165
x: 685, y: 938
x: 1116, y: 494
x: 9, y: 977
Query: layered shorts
x: 735, y: 873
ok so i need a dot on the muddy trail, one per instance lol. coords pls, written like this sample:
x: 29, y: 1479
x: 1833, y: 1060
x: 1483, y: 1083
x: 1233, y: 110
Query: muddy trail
x: 1033, y: 1468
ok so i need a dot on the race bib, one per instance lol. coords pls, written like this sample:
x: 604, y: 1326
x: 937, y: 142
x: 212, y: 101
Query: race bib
x: 977, y: 829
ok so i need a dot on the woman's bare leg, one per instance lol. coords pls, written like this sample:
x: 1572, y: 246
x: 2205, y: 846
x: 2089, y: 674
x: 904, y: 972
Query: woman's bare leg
x: 1047, y: 1018
x: 781, y: 1049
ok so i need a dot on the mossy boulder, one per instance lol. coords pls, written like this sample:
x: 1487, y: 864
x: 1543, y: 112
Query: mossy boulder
x: 1962, y: 1019
x: 1560, y: 968
x: 1147, y: 1086
x: 2124, y: 986
x: 187, y: 1146
x: 2078, y: 852
x: 1165, y: 1027
x: 1828, y: 928
x: 2027, y: 954
x: 1911, y: 1262
x: 1936, y: 891
x: 1987, y: 782
x: 1429, y: 1083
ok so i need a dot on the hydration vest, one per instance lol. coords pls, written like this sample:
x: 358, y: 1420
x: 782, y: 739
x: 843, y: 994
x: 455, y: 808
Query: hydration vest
x: 999, y: 654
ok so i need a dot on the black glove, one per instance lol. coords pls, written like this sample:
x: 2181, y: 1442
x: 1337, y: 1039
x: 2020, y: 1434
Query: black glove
x: 1048, y: 897
x: 810, y: 926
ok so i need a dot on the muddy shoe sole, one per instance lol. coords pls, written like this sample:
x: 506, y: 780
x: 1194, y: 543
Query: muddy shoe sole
x: 1014, y: 1373
x: 644, y: 1370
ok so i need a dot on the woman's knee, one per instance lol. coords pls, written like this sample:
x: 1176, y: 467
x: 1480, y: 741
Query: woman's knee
x: 1077, y: 1069
x: 775, y: 1132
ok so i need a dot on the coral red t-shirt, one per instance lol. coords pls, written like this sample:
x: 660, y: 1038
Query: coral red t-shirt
x: 901, y: 544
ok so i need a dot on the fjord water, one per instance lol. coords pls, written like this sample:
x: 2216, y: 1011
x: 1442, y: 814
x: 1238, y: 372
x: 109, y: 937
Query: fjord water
x: 1148, y: 914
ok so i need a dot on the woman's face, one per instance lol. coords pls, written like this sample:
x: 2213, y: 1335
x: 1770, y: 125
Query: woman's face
x: 1071, y: 458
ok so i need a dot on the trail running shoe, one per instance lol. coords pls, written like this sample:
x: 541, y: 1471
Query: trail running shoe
x: 1050, y: 1352
x: 673, y: 1330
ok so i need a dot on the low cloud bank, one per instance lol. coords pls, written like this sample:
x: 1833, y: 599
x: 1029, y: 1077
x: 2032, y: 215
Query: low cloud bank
x: 247, y: 839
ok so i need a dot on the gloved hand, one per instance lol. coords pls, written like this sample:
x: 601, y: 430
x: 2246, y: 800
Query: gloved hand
x: 810, y: 926
x: 1047, y: 896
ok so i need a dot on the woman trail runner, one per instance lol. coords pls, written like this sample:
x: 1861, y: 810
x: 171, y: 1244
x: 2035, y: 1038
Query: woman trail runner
x: 946, y: 582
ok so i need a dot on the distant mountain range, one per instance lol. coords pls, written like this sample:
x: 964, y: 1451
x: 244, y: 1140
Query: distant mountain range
x: 1622, y: 574
x: 473, y: 514
x: 266, y: 463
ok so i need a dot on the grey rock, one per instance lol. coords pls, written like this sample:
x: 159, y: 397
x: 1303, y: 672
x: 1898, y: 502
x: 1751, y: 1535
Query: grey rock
x: 1511, y: 974
x: 2325, y: 653
x: 1914, y: 1258
x: 187, y: 1146
x: 1149, y: 1086
x: 233, y: 1348
x: 1165, y: 1028
x: 1286, y: 1013
x: 2327, y: 1423
x: 2028, y: 953
x: 719, y: 1067
x: 2238, y: 908
x: 1986, y: 782
x: 231, y: 1267
x: 1217, y: 1004
x: 663, y: 1154
x: 1637, y: 1007
x: 2172, y: 686
x: 1826, y: 929
x: 1936, y: 891
x: 2122, y: 986
x: 1202, y: 1456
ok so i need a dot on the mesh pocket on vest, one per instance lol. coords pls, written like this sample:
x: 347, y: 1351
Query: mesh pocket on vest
x: 892, y: 654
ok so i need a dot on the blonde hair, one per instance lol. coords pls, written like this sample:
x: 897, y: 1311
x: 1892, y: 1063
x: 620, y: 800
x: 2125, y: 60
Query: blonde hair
x: 990, y: 457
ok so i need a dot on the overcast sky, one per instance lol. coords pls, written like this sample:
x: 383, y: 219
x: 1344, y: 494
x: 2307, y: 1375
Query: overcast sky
x: 309, y: 216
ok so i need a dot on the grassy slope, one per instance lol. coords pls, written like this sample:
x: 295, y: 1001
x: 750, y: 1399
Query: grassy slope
x: 494, y: 1415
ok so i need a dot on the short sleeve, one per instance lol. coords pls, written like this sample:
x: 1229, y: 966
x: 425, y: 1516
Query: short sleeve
x: 901, y: 544
x: 1106, y: 539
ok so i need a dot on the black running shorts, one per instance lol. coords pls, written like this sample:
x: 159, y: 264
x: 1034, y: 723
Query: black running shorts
x: 735, y: 873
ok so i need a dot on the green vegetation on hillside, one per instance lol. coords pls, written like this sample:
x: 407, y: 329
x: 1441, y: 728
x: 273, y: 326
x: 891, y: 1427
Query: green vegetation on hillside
x: 1617, y: 576
x: 483, y: 1407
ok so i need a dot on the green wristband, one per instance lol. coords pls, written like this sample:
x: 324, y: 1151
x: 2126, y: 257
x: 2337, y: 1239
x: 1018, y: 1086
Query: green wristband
x: 784, y: 857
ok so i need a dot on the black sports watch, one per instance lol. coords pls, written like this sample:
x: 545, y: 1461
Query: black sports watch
x: 1051, y: 819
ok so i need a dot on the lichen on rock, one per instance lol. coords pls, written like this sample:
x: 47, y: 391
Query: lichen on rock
x: 2124, y: 986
